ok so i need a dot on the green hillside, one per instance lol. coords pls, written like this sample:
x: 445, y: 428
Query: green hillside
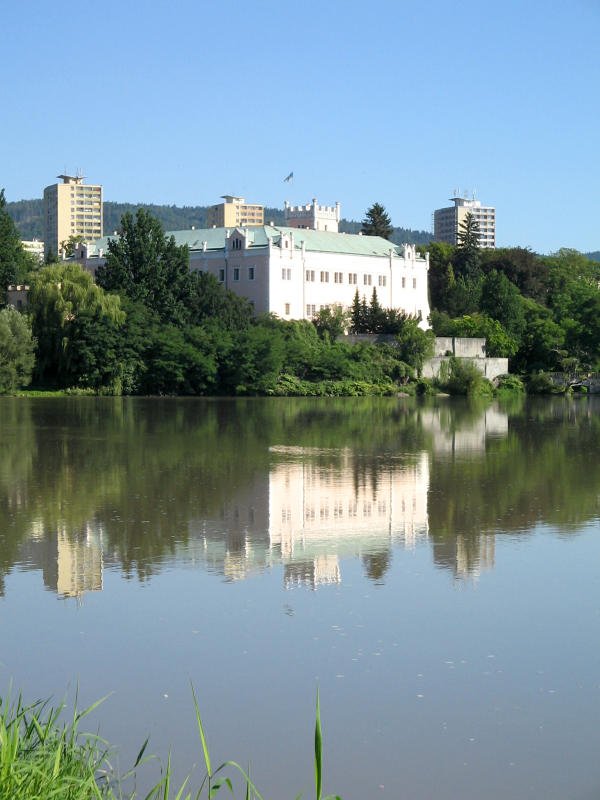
x: 28, y: 217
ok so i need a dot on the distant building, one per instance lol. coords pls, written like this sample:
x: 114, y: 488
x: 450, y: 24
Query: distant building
x: 17, y: 296
x: 71, y: 208
x: 313, y: 216
x: 295, y: 272
x: 35, y: 247
x: 233, y: 212
x: 447, y: 221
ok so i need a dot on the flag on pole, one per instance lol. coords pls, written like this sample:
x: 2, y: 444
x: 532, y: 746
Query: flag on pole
x: 289, y: 178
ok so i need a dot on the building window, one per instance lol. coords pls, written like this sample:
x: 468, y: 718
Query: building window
x: 236, y: 273
x: 287, y: 309
x: 250, y: 273
x: 414, y: 283
x: 404, y: 283
x: 382, y: 280
x: 338, y: 277
x: 311, y: 310
x: 324, y: 277
x: 237, y: 244
x: 352, y: 277
x: 222, y: 275
x: 310, y: 274
x: 367, y: 280
x: 286, y: 274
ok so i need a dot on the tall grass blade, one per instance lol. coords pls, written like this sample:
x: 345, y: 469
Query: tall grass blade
x: 167, y: 783
x: 318, y: 752
x: 141, y: 753
x: 245, y: 775
x: 202, y: 735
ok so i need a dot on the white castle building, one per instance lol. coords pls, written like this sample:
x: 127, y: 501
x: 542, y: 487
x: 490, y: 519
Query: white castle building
x: 296, y: 270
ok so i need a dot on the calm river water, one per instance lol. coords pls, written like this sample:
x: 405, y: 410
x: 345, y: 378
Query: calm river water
x: 433, y: 568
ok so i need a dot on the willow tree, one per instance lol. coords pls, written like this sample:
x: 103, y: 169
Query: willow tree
x: 64, y: 299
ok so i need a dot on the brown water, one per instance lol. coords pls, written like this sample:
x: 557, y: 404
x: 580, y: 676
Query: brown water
x: 433, y: 568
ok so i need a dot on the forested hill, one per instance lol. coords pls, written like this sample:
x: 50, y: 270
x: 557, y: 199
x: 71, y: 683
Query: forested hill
x: 28, y: 217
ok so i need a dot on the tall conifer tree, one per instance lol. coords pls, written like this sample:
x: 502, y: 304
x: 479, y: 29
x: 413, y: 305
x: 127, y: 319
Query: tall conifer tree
x: 377, y: 222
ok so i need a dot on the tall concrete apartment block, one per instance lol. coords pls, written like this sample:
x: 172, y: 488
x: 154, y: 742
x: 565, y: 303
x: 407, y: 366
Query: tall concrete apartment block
x: 71, y: 208
x: 313, y: 216
x: 234, y: 212
x: 447, y: 221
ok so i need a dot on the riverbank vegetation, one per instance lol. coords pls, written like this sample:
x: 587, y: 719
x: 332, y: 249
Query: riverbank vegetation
x: 44, y: 755
x: 147, y: 326
x: 541, y: 312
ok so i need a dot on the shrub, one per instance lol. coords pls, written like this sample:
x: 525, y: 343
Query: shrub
x: 465, y: 379
x: 509, y: 384
x: 542, y: 383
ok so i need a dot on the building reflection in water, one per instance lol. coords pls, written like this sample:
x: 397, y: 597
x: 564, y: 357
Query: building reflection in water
x: 308, y: 513
x: 315, y: 509
x: 320, y: 513
x: 72, y: 562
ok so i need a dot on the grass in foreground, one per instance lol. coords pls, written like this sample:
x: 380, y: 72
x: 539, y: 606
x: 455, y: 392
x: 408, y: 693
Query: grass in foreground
x: 44, y: 758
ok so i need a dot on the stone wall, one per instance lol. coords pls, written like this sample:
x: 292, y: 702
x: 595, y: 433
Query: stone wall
x: 459, y: 347
x: 489, y: 367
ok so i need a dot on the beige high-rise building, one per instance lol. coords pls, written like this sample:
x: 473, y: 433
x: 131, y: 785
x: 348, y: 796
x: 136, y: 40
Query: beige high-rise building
x: 71, y: 208
x: 233, y: 213
x: 447, y: 221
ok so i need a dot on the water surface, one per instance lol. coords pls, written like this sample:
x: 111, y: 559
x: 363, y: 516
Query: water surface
x: 433, y: 568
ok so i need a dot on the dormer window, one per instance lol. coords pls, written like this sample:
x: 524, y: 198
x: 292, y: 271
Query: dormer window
x: 236, y: 244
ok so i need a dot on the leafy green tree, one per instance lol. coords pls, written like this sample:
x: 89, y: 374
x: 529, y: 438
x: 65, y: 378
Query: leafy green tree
x: 441, y: 272
x: 499, y: 344
x: 522, y: 267
x: 58, y: 297
x: 463, y: 295
x: 178, y: 362
x: 148, y: 267
x: 93, y: 353
x: 15, y: 263
x: 542, y: 341
x: 16, y: 350
x: 255, y: 361
x: 501, y: 300
x: 331, y: 321
x: 377, y: 222
x: 415, y: 345
x: 205, y: 298
x: 67, y: 246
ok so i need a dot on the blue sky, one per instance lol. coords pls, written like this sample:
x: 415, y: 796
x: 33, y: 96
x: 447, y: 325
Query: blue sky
x: 393, y: 102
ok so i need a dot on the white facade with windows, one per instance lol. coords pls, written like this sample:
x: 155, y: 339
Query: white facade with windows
x: 295, y: 272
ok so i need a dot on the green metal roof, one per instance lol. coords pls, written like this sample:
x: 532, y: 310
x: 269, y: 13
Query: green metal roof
x: 314, y: 241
